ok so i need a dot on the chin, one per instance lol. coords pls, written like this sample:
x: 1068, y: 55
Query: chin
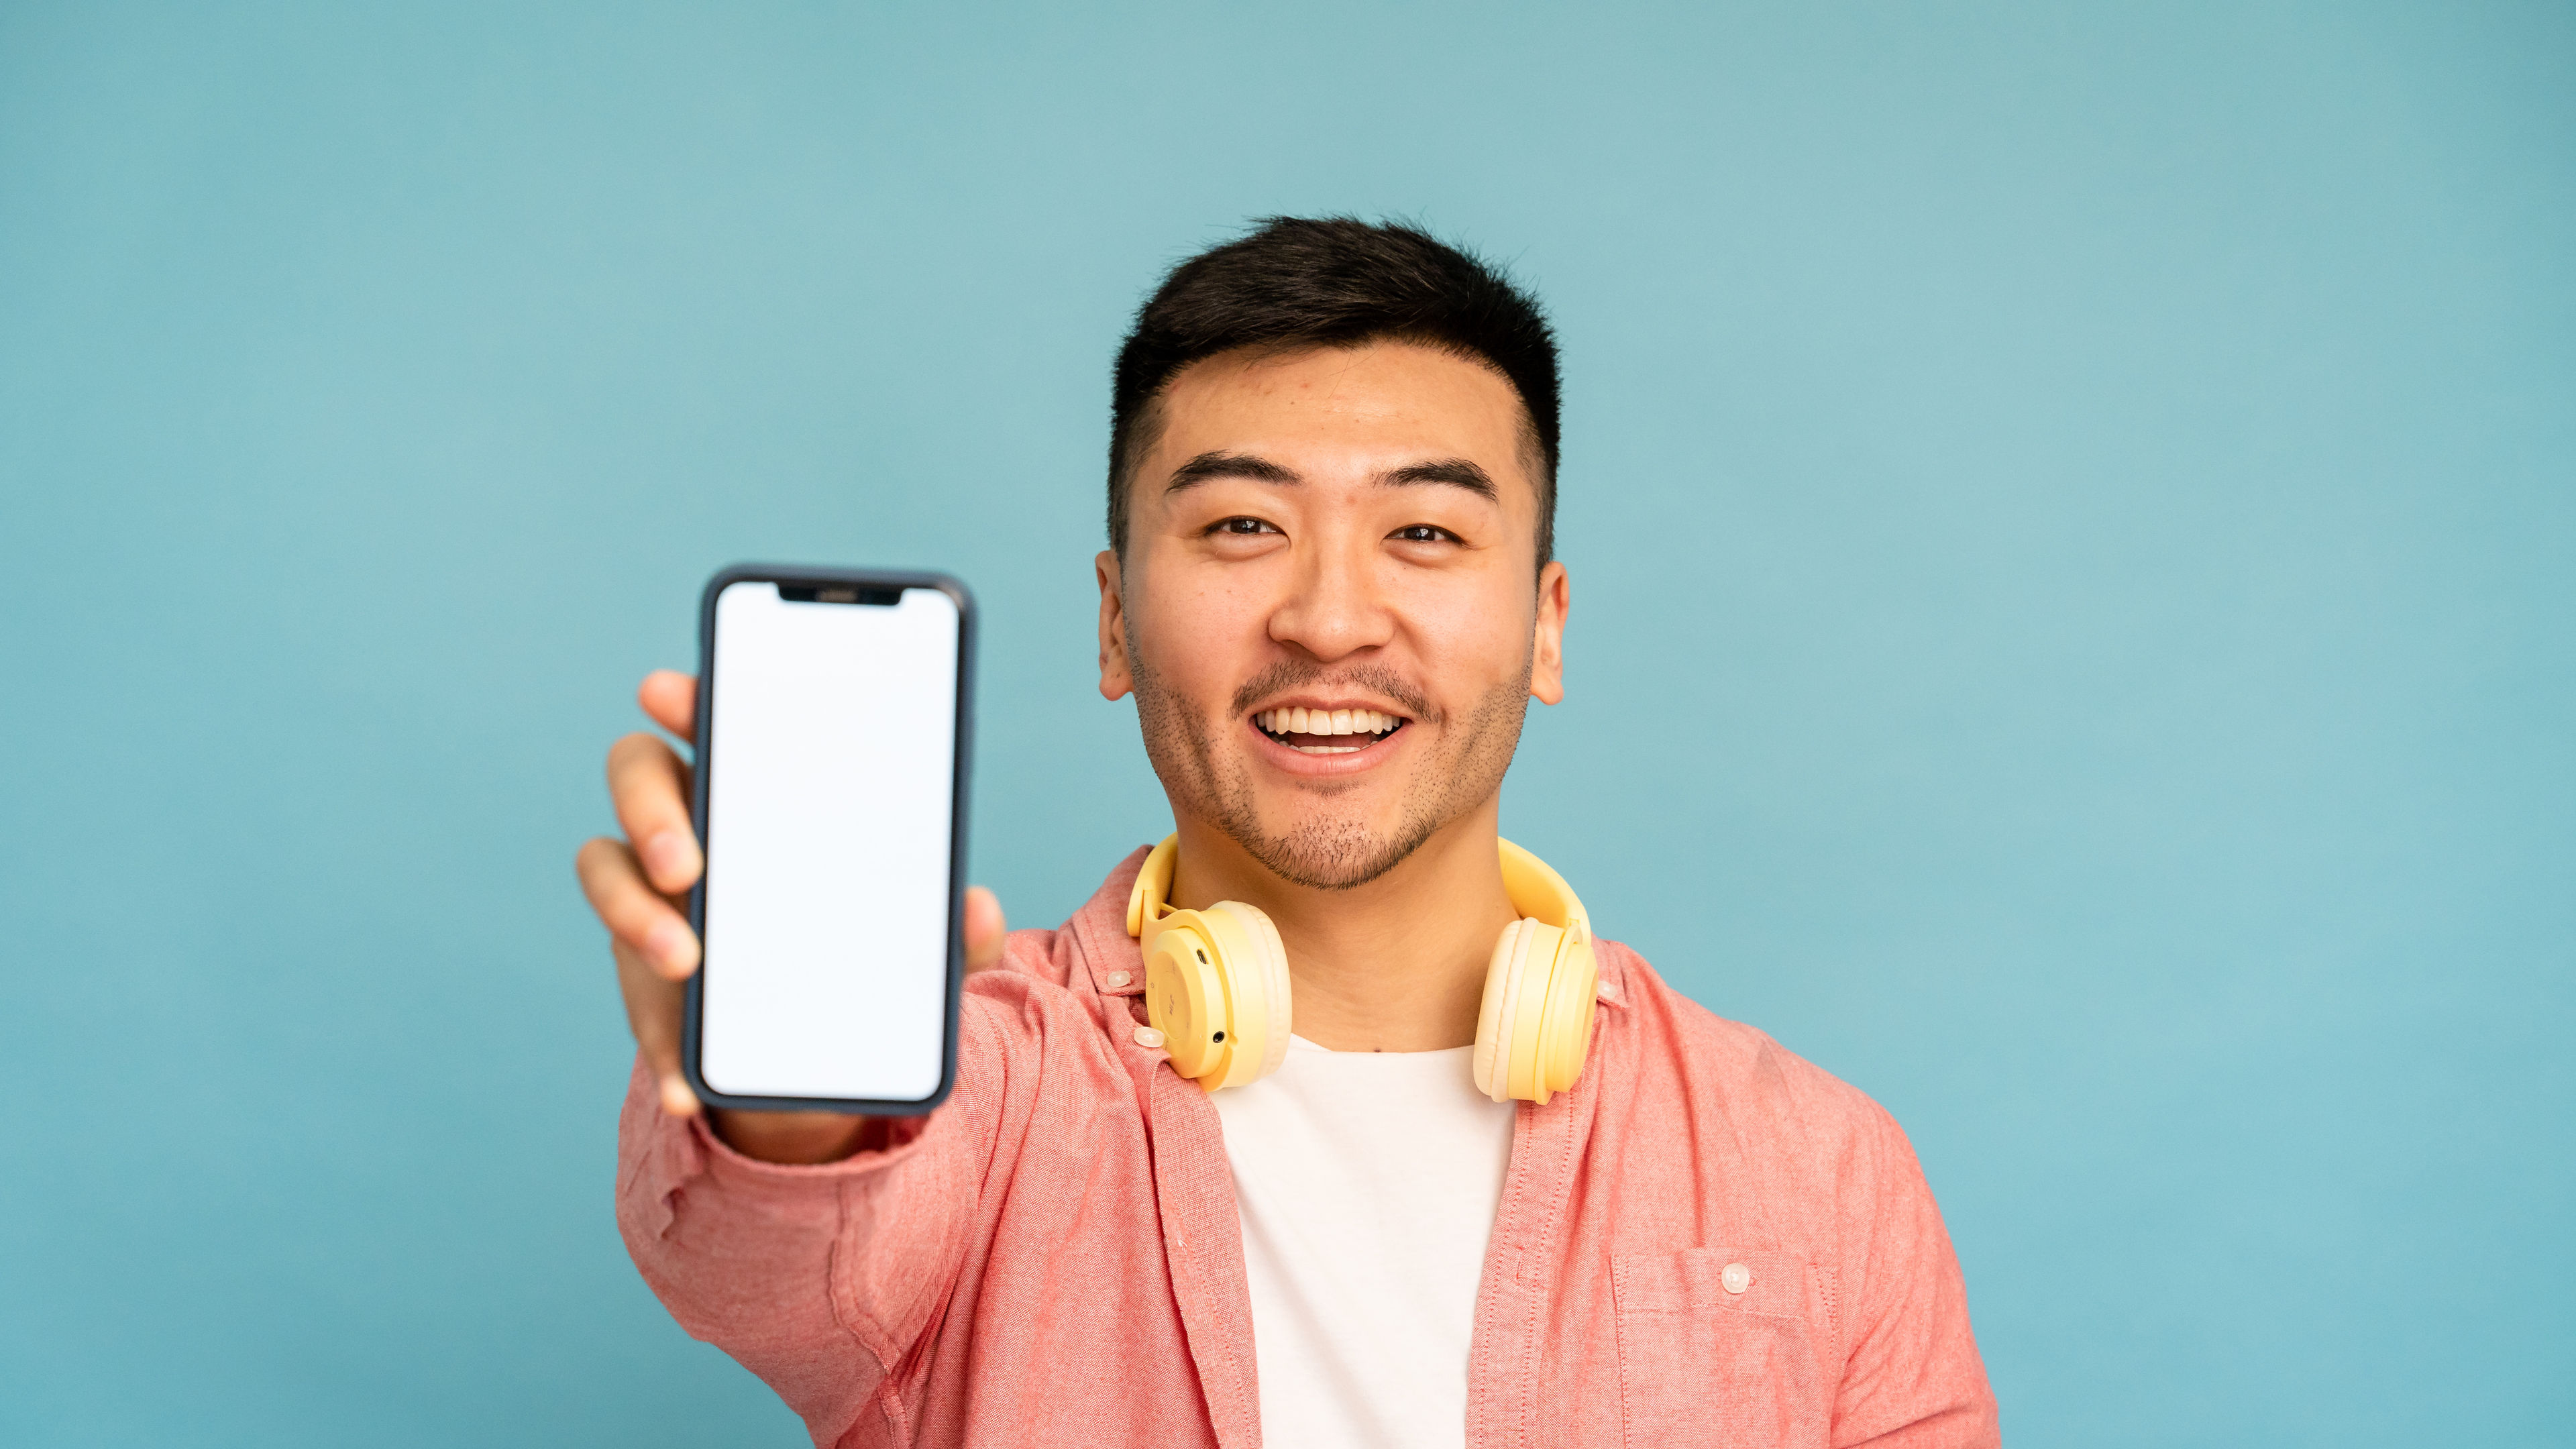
x: 1333, y: 852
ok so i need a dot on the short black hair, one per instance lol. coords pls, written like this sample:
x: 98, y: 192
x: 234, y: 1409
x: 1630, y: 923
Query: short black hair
x: 1333, y: 281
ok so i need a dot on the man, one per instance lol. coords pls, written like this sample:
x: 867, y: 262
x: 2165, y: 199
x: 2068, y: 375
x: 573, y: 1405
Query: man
x: 1330, y: 588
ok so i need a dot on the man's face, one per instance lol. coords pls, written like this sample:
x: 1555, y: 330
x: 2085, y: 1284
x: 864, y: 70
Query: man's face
x: 1330, y: 610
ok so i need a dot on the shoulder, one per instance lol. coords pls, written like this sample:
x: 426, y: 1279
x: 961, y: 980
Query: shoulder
x: 1041, y: 955
x: 1057, y: 991
x: 1727, y: 1075
x: 1083, y: 955
x: 1042, y: 974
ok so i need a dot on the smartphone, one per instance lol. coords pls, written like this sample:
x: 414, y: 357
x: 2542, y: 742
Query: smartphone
x: 834, y: 708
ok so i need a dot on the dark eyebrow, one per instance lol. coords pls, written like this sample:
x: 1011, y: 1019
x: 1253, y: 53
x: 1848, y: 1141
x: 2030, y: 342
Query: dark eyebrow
x: 1456, y: 472
x: 1227, y: 465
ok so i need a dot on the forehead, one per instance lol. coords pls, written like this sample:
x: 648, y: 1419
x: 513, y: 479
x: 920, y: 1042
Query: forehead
x: 1360, y: 408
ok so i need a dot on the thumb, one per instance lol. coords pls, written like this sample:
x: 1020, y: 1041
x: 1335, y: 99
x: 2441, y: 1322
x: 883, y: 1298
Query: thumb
x: 983, y: 929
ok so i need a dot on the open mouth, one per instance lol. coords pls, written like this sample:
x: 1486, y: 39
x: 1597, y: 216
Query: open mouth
x: 1327, y: 731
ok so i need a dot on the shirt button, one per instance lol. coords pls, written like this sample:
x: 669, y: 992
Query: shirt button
x: 1148, y: 1038
x: 1736, y: 1277
x: 1118, y: 979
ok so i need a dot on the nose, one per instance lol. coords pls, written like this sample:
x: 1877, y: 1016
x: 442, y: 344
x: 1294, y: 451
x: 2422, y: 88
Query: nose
x: 1332, y: 609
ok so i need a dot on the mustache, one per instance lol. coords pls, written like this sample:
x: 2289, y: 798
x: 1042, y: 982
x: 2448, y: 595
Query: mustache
x: 1372, y: 679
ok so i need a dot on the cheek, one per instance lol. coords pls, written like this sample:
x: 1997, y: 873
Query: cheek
x: 1198, y: 636
x: 1475, y: 638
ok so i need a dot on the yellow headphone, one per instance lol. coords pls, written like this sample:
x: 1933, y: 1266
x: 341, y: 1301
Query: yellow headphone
x: 1216, y: 984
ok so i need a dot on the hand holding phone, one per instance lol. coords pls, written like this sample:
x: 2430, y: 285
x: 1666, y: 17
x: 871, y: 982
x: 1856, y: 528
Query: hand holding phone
x: 638, y: 885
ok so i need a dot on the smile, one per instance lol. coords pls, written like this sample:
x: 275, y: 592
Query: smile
x: 1327, y: 731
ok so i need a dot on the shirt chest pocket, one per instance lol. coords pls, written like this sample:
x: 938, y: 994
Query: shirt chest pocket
x: 1725, y: 1347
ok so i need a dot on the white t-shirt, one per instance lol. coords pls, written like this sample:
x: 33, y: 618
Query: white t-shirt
x: 1367, y: 1182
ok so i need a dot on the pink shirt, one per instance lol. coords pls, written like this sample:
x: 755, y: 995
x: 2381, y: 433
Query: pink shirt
x: 1052, y: 1257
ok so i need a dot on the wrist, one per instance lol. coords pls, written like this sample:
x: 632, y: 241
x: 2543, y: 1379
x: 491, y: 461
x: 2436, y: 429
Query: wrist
x: 788, y: 1138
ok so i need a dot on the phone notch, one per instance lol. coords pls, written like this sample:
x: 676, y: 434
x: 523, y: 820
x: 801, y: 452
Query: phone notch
x: 831, y: 594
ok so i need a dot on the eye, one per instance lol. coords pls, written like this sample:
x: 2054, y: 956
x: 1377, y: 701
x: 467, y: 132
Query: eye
x: 1242, y: 527
x: 1423, y: 533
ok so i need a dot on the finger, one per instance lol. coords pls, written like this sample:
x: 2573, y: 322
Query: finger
x: 650, y: 788
x: 671, y: 698
x: 984, y: 933
x: 653, y: 1009
x: 635, y: 914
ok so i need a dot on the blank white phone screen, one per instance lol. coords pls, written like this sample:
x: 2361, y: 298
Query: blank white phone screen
x: 829, y: 795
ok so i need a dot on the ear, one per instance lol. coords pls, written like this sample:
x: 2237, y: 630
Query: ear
x: 1547, y: 642
x: 1115, y: 678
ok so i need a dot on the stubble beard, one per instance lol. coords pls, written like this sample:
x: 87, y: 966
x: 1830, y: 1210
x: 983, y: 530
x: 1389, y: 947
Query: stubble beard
x: 1327, y: 849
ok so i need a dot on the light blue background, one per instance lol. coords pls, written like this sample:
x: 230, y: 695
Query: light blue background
x: 2070, y: 516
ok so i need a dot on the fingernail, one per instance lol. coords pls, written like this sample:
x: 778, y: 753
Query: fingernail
x: 670, y: 855
x: 672, y: 947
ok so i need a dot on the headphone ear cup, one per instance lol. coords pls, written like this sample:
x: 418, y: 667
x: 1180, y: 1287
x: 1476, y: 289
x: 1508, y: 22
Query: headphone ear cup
x: 1185, y: 995
x: 1526, y: 1075
x: 1565, y: 1037
x: 1530, y: 1034
x: 1255, y: 967
x: 1501, y: 1005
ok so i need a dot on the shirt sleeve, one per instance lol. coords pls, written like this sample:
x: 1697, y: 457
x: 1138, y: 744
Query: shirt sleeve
x: 1913, y: 1379
x: 819, y: 1279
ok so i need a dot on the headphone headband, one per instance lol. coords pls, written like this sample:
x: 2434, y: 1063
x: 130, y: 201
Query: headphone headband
x: 1538, y: 892
x: 1153, y: 883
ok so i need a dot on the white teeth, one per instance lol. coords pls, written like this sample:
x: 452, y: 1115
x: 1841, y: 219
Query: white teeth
x: 1296, y: 720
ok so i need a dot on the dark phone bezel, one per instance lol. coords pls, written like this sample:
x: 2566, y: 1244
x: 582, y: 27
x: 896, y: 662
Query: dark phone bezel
x: 795, y: 576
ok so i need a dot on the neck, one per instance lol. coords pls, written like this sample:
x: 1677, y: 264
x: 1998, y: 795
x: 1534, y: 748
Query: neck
x: 1395, y: 965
